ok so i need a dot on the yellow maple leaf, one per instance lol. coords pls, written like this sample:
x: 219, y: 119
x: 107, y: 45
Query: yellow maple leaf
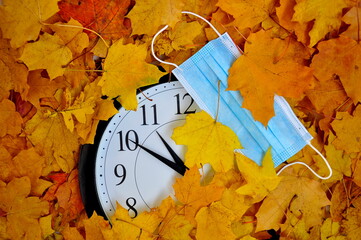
x: 125, y: 227
x: 325, y: 14
x: 125, y: 71
x: 294, y: 228
x: 260, y: 179
x: 184, y: 33
x: 173, y: 225
x: 208, y: 141
x: 21, y: 21
x: 72, y: 34
x: 49, y: 53
x: 304, y: 194
x: 50, y: 135
x: 285, y: 13
x: 13, y: 74
x: 341, y: 56
x: 352, y: 223
x: 78, y: 110
x: 192, y: 195
x: 10, y: 119
x: 269, y: 66
x: 20, y: 208
x: 148, y: 15
x: 41, y: 87
x: 248, y: 13
x: 340, y: 162
x: 331, y: 230
x: 95, y: 226
x: 214, y: 222
x: 344, y: 125
x: 45, y: 225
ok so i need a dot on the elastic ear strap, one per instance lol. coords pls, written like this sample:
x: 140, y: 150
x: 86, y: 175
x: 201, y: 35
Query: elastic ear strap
x: 164, y: 28
x: 152, y: 48
x: 309, y: 168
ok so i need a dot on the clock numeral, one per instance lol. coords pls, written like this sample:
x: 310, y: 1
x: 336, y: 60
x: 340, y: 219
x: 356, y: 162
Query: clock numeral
x: 131, y: 203
x: 128, y: 142
x: 120, y: 172
x: 187, y: 111
x: 155, y: 119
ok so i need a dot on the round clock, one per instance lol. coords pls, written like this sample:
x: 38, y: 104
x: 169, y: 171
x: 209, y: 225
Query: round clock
x: 134, y: 161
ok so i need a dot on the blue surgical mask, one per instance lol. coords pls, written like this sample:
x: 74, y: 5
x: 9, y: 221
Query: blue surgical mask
x: 204, y: 76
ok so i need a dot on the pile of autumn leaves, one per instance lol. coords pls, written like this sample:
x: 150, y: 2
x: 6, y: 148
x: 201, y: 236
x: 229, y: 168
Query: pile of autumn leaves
x: 52, y: 98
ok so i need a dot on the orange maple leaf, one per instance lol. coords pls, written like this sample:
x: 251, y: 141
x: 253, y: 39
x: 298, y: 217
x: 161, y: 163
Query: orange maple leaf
x: 106, y: 17
x: 269, y: 66
x: 190, y: 192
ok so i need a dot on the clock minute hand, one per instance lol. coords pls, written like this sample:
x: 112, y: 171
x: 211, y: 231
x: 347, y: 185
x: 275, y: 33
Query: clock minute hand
x: 175, y: 157
x: 164, y: 160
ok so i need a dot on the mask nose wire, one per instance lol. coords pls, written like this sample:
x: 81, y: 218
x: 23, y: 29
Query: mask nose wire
x: 164, y: 28
x: 309, y: 168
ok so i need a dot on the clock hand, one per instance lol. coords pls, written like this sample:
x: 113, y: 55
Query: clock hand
x: 174, y: 166
x: 175, y: 157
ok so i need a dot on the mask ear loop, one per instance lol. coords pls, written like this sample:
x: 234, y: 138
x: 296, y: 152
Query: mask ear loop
x: 309, y: 168
x: 164, y: 28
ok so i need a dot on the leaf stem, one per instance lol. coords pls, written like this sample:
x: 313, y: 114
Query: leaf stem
x: 80, y: 27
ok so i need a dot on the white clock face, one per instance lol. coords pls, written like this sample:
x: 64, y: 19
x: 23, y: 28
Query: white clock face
x: 137, y: 161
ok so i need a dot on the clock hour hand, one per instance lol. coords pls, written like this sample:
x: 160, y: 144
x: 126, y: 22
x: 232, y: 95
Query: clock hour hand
x: 174, y: 166
x: 175, y: 157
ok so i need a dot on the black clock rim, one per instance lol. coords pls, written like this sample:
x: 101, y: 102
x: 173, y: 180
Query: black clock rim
x: 87, y: 158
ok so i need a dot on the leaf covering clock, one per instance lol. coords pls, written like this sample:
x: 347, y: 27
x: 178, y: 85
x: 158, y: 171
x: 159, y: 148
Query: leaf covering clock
x: 134, y: 161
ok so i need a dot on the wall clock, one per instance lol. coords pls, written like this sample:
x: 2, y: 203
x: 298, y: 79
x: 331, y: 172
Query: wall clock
x: 134, y: 161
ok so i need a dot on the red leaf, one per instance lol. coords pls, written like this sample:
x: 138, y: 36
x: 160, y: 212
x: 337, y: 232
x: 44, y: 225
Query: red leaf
x: 106, y: 17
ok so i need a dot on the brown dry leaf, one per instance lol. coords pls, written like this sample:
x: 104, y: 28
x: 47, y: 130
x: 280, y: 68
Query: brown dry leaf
x: 22, y: 21
x: 148, y: 15
x: 208, y: 141
x: 21, y: 210
x: 344, y: 125
x: 326, y: 16
x: 11, y: 121
x: 125, y: 71
x: 270, y: 66
x: 340, y: 56
x: 49, y: 52
x: 194, y: 196
x: 69, y: 199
